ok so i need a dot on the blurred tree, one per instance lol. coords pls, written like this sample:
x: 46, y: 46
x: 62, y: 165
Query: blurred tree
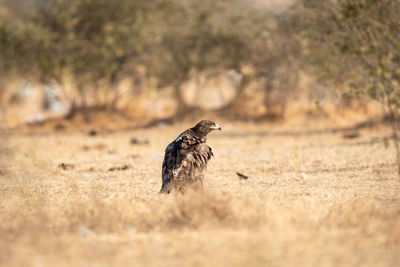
x: 207, y: 36
x: 16, y: 39
x: 197, y: 36
x: 92, y: 40
x: 275, y: 52
x: 95, y: 43
x: 361, y: 37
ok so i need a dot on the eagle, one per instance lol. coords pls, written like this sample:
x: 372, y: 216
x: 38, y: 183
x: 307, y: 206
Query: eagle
x: 185, y: 160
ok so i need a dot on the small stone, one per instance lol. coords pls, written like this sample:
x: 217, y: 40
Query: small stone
x: 92, y: 133
x: 161, y: 124
x: 35, y: 119
x: 157, y: 156
x: 84, y: 231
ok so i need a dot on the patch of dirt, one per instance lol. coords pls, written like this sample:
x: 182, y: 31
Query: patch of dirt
x: 99, y: 146
x: 242, y: 176
x: 137, y: 141
x: 311, y: 198
x: 66, y: 166
x: 119, y: 168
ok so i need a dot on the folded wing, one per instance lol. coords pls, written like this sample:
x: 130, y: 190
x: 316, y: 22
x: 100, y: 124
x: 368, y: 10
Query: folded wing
x: 185, y: 162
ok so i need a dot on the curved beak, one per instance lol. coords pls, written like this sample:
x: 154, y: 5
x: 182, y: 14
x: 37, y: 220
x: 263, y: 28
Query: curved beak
x: 216, y: 127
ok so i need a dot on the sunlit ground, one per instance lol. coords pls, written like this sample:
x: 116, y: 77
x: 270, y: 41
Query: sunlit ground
x: 312, y: 198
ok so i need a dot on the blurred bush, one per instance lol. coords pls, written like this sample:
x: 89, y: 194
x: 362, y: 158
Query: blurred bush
x: 362, y: 40
x: 90, y: 46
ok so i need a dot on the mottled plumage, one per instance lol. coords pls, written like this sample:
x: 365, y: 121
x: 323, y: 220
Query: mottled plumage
x: 185, y: 160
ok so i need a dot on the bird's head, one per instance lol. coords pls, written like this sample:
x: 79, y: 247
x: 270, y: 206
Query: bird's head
x: 206, y: 126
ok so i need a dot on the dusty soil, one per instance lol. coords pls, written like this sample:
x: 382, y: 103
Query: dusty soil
x: 313, y: 197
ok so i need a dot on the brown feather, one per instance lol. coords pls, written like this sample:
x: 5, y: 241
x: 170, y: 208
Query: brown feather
x: 186, y: 158
x: 242, y: 176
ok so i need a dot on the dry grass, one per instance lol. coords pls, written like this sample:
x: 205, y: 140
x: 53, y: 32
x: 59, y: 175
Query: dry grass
x: 102, y: 206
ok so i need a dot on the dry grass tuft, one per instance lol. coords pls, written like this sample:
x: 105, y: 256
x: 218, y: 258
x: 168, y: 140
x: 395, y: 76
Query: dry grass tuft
x: 28, y: 211
x: 196, y: 210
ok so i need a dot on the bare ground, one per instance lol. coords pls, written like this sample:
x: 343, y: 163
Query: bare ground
x: 313, y: 198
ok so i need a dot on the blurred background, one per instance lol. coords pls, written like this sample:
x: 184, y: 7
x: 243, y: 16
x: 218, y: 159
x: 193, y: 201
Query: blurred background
x: 167, y: 59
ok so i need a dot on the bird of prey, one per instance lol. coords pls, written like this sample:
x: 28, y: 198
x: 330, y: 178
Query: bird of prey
x: 185, y: 160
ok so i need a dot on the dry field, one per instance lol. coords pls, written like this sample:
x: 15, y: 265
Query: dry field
x: 313, y: 198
